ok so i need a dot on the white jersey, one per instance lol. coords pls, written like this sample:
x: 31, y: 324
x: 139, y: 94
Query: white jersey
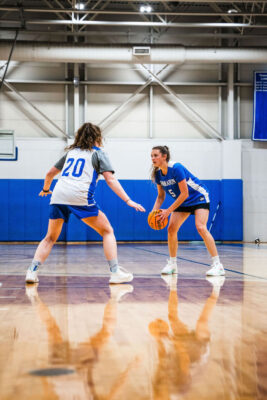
x: 80, y: 173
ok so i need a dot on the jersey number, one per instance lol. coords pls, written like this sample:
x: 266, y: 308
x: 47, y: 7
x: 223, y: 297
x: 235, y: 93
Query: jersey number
x: 77, y: 168
x: 171, y: 193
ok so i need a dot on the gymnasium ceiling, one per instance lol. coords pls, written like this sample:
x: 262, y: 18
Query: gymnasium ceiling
x: 220, y: 23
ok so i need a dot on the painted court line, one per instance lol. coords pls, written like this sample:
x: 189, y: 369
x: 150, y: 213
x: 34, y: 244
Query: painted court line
x: 207, y: 265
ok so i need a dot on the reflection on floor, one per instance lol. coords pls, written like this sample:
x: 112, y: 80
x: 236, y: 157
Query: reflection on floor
x: 75, y: 337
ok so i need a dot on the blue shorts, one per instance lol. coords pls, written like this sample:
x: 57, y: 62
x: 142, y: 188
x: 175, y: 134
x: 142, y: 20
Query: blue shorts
x: 63, y: 211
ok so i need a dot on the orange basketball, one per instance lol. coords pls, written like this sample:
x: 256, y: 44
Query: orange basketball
x: 154, y: 222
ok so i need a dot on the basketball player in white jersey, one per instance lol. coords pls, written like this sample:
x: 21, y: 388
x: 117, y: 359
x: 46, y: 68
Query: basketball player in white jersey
x: 74, y: 193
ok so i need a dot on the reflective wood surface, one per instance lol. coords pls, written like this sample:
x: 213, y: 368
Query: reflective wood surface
x: 72, y: 336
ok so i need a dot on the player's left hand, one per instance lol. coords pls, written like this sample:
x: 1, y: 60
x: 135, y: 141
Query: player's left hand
x: 42, y: 193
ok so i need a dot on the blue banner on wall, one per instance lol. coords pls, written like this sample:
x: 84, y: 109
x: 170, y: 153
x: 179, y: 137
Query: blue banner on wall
x: 260, y: 106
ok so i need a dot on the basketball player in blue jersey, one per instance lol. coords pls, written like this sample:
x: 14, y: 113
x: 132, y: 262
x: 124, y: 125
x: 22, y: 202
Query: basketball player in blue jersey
x: 74, y: 193
x: 190, y: 196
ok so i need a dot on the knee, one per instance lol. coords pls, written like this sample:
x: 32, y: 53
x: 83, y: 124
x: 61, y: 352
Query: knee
x: 50, y: 239
x: 172, y: 230
x: 107, y: 230
x: 202, y: 229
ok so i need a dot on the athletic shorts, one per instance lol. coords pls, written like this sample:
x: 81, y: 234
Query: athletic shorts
x: 191, y: 209
x: 63, y: 211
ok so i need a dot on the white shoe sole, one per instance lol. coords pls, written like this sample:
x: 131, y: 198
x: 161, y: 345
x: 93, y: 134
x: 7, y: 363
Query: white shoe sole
x: 114, y: 280
x: 31, y: 280
x: 217, y: 281
x: 174, y: 271
x: 222, y: 273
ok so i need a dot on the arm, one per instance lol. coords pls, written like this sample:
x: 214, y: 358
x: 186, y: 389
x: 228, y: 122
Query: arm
x: 160, y: 198
x: 180, y: 199
x: 51, y: 174
x: 48, y: 180
x: 115, y: 185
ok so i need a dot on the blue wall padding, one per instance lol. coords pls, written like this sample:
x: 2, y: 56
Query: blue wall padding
x: 4, y: 205
x: 24, y: 215
x: 232, y: 211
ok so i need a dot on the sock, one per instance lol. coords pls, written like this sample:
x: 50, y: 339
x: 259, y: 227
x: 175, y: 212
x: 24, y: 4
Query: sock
x: 113, y: 265
x: 215, y: 260
x: 35, y: 265
x: 173, y: 260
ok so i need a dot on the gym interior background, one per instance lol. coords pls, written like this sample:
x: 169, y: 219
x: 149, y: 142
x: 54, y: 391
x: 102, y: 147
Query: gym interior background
x: 180, y: 75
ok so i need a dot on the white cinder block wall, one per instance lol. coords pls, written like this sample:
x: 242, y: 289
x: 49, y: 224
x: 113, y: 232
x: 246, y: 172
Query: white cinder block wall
x: 130, y: 157
x: 254, y: 175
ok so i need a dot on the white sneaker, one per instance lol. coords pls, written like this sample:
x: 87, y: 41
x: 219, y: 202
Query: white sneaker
x: 170, y: 268
x: 118, y: 291
x: 171, y: 281
x: 216, y: 270
x: 32, y: 293
x: 121, y: 276
x: 217, y: 282
x: 31, y: 276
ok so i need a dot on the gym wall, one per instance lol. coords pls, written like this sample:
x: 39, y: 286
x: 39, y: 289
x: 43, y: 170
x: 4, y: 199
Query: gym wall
x: 39, y: 147
x: 24, y: 215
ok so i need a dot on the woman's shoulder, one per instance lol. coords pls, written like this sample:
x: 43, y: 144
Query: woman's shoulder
x: 175, y: 164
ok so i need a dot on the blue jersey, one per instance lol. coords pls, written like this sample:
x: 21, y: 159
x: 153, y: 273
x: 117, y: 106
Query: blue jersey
x: 198, y: 193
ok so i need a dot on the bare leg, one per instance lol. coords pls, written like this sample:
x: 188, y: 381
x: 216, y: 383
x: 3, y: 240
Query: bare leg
x: 101, y: 225
x: 45, y: 246
x: 176, y: 221
x: 201, y: 219
x: 178, y: 327
x: 202, y: 329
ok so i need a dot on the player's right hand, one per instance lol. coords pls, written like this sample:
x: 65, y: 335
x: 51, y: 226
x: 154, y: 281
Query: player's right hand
x: 135, y: 205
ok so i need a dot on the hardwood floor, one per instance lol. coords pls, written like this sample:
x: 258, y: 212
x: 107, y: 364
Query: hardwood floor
x: 72, y: 336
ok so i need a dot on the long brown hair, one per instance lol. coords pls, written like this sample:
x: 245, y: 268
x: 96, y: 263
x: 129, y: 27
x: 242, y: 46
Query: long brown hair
x: 86, y: 137
x: 163, y: 150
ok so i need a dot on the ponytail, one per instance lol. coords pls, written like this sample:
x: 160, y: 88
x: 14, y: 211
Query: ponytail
x: 86, y: 137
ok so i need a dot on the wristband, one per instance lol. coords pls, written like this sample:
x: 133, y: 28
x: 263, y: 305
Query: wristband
x: 126, y: 201
x: 45, y: 191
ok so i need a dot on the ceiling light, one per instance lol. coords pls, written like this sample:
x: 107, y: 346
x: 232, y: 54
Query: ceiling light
x: 80, y: 6
x: 76, y: 81
x: 145, y: 9
x: 232, y: 11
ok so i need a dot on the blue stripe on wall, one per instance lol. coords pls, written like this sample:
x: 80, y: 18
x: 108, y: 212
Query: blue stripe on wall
x: 232, y: 210
x: 24, y: 215
x: 4, y: 206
